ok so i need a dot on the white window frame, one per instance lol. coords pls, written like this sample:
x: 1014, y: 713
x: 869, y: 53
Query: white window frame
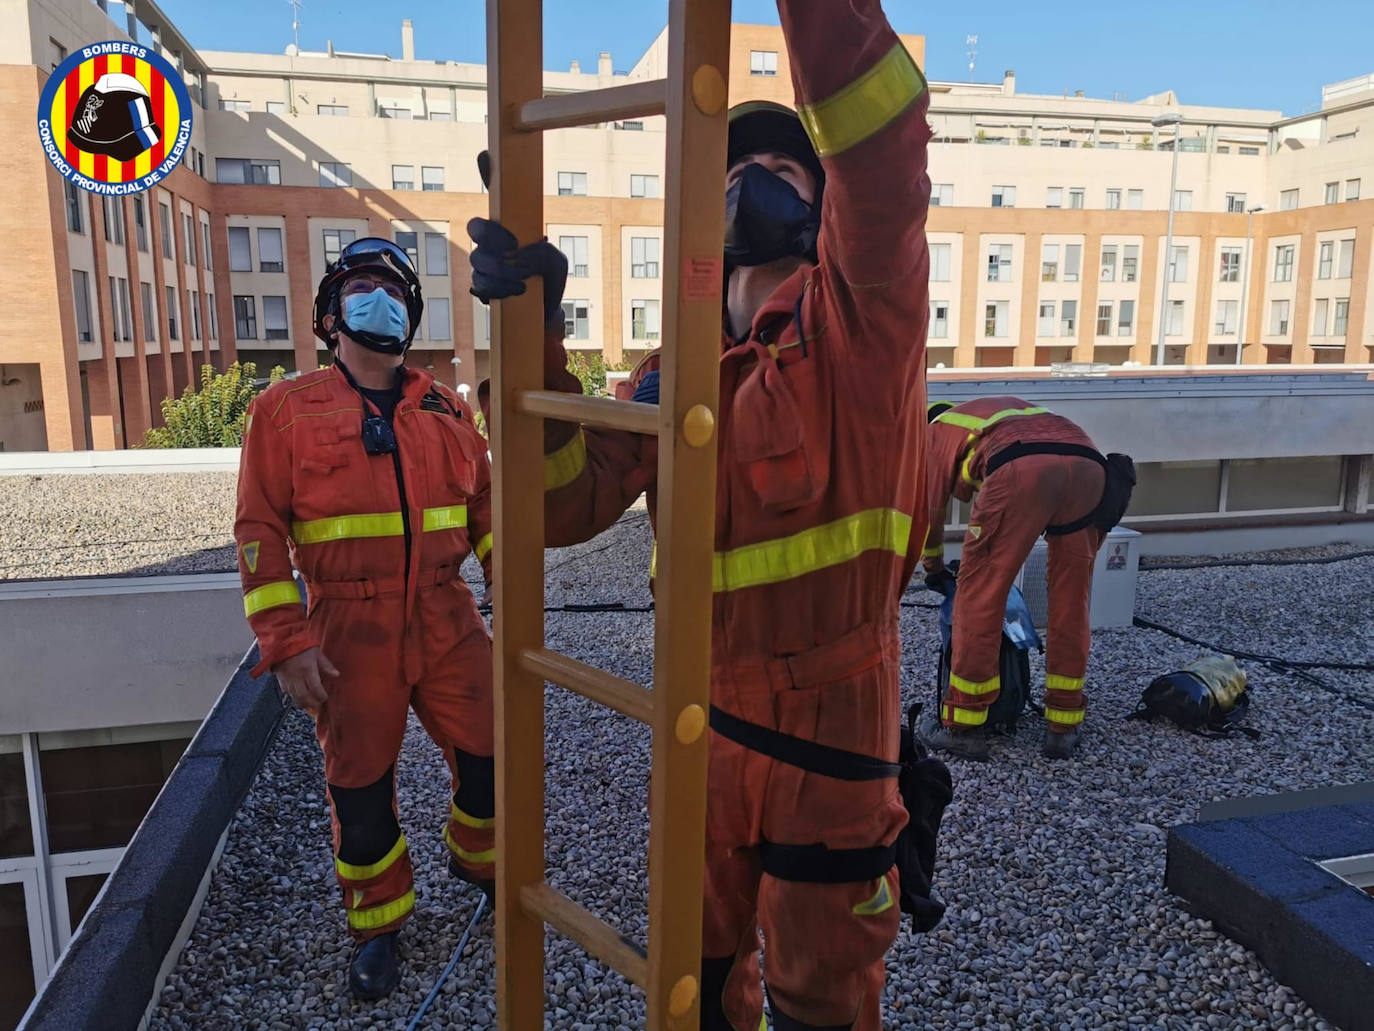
x: 1285, y: 255
x: 1235, y: 203
x: 1054, y: 196
x: 1321, y: 316
x: 1125, y: 327
x: 1004, y: 196
x: 432, y: 308
x: 331, y: 176
x: 646, y: 305
x: 1107, y: 268
x: 1229, y: 272
x: 1340, y: 317
x: 81, y: 302
x: 1332, y: 194
x: 577, y: 303
x: 941, y: 257
x: 1068, y: 317
x: 1174, y: 317
x: 1178, y: 264
x: 1047, y: 325
x: 999, y: 263
x: 23, y: 870
x: 403, y: 177
x: 1345, y: 264
x: 644, y: 184
x: 1110, y: 309
x: 76, y: 864
x: 1288, y: 199
x: 575, y: 248
x: 1227, y: 320
x: 431, y: 178
x: 1183, y: 200
x: 763, y: 62
x: 937, y: 322
x: 1130, y: 262
x: 569, y: 183
x: 1000, y: 317
x: 1282, y: 321
x: 339, y: 235
x: 1135, y: 200
x: 1326, y: 255
x: 1352, y: 189
x: 265, y: 233
x: 285, y: 328
x: 1049, y: 263
x: 1073, y: 262
x: 436, y: 245
x: 942, y: 195
x: 646, y: 256
x: 1077, y: 196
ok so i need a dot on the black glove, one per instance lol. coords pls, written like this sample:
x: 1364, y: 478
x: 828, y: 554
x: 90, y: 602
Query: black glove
x: 500, y: 266
x: 647, y: 391
x: 941, y: 582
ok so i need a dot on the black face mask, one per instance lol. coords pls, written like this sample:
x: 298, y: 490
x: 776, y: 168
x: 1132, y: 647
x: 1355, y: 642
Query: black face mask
x: 766, y: 219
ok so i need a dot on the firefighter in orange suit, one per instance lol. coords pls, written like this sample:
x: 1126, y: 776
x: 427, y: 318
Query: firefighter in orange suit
x: 1033, y: 473
x: 820, y: 481
x: 372, y: 479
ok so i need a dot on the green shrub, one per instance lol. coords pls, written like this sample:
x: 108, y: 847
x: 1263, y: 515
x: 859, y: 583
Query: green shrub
x: 212, y: 416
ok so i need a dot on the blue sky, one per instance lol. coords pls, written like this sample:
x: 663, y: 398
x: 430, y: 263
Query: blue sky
x: 1262, y: 54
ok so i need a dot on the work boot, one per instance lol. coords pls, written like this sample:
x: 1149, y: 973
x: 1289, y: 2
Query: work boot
x: 967, y: 744
x: 375, y: 970
x: 455, y: 869
x: 1060, y: 744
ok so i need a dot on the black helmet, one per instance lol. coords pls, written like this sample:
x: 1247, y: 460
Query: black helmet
x: 370, y: 254
x: 114, y: 117
x: 935, y: 409
x: 760, y: 126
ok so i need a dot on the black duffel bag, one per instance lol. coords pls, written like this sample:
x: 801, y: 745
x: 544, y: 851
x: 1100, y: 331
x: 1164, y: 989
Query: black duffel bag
x: 926, y: 790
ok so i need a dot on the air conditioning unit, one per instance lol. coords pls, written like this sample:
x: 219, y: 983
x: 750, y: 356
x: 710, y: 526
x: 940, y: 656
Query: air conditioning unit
x: 1114, y: 574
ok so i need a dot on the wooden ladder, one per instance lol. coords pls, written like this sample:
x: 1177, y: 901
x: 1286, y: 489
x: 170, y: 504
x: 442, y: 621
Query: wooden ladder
x: 693, y: 97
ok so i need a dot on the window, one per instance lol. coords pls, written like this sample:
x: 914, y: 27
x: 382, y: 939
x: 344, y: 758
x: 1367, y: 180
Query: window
x: 1068, y: 318
x: 645, y: 320
x: 1130, y: 262
x: 1352, y: 189
x: 640, y: 186
x: 942, y: 195
x: 632, y: 125
x: 1278, y: 318
x: 140, y: 224
x: 1178, y: 265
x: 644, y: 251
x: 193, y: 297
x: 114, y: 220
x: 1319, y: 316
x: 1049, y: 263
x: 763, y: 62
x: 145, y: 297
x: 1076, y: 195
x: 1235, y: 203
x: 274, y: 317
x: 1227, y: 311
x: 245, y: 318
x: 1230, y: 264
x: 1343, y: 268
x: 1104, y: 320
x: 410, y: 243
x: 393, y: 111
x: 235, y: 105
x: 1073, y: 262
x: 335, y: 174
x: 257, y: 171
x: 1135, y: 199
x: 403, y: 177
x: 939, y: 320
x: 75, y: 205
x: 577, y: 320
x: 81, y: 297
x: 1249, y: 151
x: 574, y: 248
x: 1283, y: 263
x: 205, y: 245
x: 335, y: 240
x: 1342, y: 317
x: 59, y: 52
x: 165, y: 220
x: 171, y: 314
x: 188, y: 239
x: 1054, y: 197
x: 269, y: 250
x: 1173, y: 319
x: 332, y: 110
x: 116, y: 326
x: 240, y: 249
x: 214, y: 319
x: 995, y: 318
x: 1004, y: 196
x: 1333, y: 192
x: 939, y: 262
x: 574, y: 184
x: 126, y: 309
x: 1045, y: 327
x: 441, y: 116
x: 276, y: 107
x: 431, y: 178
x: 1113, y: 200
x: 1288, y: 200
x: 999, y: 263
x: 1125, y: 319
x: 440, y: 322
x: 436, y: 258
x: 1183, y: 200
x: 1325, y: 252
x: 1108, y: 263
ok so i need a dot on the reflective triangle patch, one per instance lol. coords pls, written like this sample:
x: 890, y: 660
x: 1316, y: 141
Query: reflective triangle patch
x: 879, y: 903
x: 975, y: 532
x: 250, y: 555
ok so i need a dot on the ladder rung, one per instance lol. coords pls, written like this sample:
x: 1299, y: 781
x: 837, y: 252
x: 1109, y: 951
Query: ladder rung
x: 592, y: 933
x: 595, y: 411
x: 598, y: 685
x: 612, y: 104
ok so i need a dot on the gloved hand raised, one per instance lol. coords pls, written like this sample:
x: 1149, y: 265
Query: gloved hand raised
x: 941, y: 582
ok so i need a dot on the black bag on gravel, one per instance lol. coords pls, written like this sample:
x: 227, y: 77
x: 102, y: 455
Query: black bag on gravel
x: 1209, y: 697
x: 926, y: 789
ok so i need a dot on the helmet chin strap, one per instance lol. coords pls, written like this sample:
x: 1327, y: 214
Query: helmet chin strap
x: 371, y: 341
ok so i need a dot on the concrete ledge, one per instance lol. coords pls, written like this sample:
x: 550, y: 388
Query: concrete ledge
x: 155, y: 460
x: 109, y: 973
x: 1255, y: 876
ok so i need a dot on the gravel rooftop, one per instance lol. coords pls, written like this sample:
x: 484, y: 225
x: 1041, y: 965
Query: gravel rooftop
x: 1058, y: 917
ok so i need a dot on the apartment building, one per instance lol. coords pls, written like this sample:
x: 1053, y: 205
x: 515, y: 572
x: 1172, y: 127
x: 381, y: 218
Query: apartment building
x: 1049, y: 223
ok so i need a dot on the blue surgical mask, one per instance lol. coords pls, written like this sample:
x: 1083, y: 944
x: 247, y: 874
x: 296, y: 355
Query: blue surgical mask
x: 376, y: 313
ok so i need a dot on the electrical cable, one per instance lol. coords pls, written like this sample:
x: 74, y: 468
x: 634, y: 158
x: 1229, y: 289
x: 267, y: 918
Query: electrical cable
x: 452, y: 963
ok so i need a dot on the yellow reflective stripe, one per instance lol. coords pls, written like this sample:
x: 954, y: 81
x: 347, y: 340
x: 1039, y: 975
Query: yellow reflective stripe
x: 347, y: 527
x: 966, y: 717
x: 1055, y: 682
x: 966, y: 471
x: 381, y: 866
x: 975, y: 687
x: 977, y: 424
x: 483, y: 548
x: 934, y: 551
x: 478, y: 822
x: 475, y: 858
x: 566, y: 464
x: 860, y: 109
x: 763, y: 1022
x: 380, y: 916
x: 1064, y: 717
x: 269, y: 596
x: 450, y: 517
x: 879, y: 903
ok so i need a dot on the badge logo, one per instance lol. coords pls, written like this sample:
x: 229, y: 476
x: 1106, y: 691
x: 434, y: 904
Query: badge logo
x: 115, y: 118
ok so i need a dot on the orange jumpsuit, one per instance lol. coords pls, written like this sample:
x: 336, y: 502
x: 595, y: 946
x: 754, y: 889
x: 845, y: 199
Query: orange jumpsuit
x: 379, y: 540
x: 820, y: 481
x: 1013, y: 507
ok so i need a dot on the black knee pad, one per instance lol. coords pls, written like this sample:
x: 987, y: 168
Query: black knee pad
x: 782, y: 1022
x: 367, y: 820
x: 476, y: 794
x: 714, y: 973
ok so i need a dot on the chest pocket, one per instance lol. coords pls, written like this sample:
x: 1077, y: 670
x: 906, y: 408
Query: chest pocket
x: 460, y: 453
x: 780, y: 442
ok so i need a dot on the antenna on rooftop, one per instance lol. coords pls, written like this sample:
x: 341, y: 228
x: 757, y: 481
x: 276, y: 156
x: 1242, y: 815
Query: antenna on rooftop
x: 296, y: 6
x: 972, y: 43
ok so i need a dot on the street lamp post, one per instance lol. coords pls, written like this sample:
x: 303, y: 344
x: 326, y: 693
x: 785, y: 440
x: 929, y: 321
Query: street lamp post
x: 1245, y: 285
x: 1175, y: 120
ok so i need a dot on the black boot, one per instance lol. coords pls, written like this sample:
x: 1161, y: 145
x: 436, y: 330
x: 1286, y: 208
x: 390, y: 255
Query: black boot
x: 488, y: 887
x: 375, y: 971
x: 1060, y: 745
x: 967, y: 744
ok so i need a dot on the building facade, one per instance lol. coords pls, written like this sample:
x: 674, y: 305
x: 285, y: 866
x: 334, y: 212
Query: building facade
x: 1048, y: 229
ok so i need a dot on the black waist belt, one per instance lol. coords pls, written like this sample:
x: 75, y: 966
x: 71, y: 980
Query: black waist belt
x: 1023, y: 449
x: 817, y: 864
x: 797, y: 751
